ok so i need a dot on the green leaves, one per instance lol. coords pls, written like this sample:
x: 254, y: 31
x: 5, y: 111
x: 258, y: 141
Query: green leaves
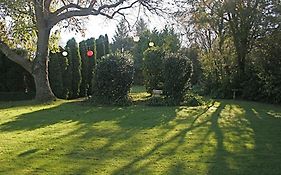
x: 113, y: 79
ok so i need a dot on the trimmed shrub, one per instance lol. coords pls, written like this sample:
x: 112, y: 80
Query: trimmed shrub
x: 177, y: 75
x: 153, y: 68
x: 113, y: 79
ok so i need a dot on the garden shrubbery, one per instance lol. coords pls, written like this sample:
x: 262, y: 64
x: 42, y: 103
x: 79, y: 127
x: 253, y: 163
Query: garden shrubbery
x: 153, y: 68
x: 170, y: 72
x: 113, y: 79
x: 177, y: 75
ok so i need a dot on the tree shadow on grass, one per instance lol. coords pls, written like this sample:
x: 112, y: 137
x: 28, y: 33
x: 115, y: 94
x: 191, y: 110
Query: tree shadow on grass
x: 87, y: 119
x: 28, y: 152
x: 231, y: 155
x: 176, y: 167
x: 265, y: 122
x: 219, y: 166
x: 252, y: 136
x: 138, y: 120
x: 131, y: 117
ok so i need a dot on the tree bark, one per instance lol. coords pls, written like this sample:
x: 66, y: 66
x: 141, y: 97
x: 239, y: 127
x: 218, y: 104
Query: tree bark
x: 11, y: 54
x: 40, y: 67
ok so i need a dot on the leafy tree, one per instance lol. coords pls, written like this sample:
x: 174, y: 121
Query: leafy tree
x: 37, y: 18
x: 226, y: 32
x: 193, y: 54
x: 167, y: 39
x: 244, y: 19
x: 266, y: 60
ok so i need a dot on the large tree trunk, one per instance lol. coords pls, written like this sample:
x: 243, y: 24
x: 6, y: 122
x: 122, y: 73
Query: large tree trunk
x: 40, y: 67
x: 43, y: 89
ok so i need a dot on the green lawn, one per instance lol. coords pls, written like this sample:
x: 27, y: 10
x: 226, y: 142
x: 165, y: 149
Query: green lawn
x: 71, y: 137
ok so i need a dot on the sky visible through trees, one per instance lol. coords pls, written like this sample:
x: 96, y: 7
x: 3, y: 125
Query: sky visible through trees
x: 98, y: 25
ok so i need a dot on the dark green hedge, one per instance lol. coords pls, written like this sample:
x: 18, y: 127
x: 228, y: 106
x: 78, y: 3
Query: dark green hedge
x: 177, y: 75
x: 153, y: 68
x: 113, y: 79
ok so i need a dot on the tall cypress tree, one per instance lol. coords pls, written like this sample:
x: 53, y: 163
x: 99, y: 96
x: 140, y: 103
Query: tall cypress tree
x: 68, y: 74
x: 84, y: 68
x: 74, y: 67
x: 66, y: 81
x: 91, y: 45
x: 106, y: 44
x: 88, y: 65
x: 100, y: 47
x: 55, y: 75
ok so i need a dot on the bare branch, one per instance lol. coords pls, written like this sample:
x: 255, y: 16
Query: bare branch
x: 93, y: 2
x: 66, y: 7
x: 80, y: 11
x: 123, y: 8
x: 47, y: 4
x: 106, y: 6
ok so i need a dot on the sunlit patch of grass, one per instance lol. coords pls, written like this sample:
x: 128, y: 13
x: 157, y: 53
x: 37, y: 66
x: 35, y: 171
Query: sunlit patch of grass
x: 140, y: 97
x: 70, y: 137
x: 274, y: 114
x: 139, y: 94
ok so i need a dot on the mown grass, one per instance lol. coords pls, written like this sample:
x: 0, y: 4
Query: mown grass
x: 72, y: 137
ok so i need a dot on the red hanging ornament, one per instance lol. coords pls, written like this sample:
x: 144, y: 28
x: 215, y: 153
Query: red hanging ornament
x: 90, y: 53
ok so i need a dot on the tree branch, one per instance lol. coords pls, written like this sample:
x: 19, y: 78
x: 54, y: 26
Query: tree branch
x: 25, y: 63
x: 80, y: 11
x: 66, y: 7
x: 47, y: 4
x: 123, y: 8
x: 93, y: 2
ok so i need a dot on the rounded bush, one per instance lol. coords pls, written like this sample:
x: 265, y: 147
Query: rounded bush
x: 113, y: 79
x: 153, y: 68
x: 177, y: 75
